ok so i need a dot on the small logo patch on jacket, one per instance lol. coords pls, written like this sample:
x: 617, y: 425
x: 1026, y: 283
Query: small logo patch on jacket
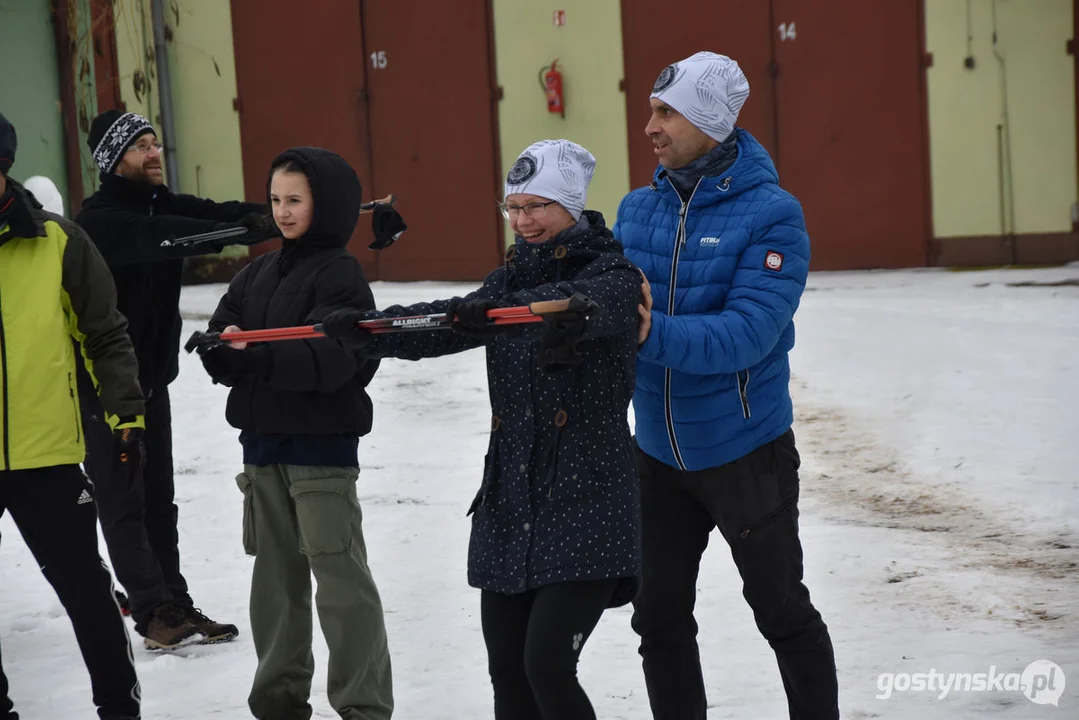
x: 773, y: 260
x: 712, y: 241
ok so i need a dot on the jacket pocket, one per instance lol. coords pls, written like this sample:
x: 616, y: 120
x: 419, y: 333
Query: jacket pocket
x: 491, y: 468
x: 244, y: 481
x: 571, y: 476
x: 74, y: 407
x: 743, y: 392
x: 327, y: 512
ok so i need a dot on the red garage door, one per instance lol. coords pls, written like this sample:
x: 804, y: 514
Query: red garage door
x: 351, y: 80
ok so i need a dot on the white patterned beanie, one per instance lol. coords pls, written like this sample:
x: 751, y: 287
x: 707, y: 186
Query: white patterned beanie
x: 708, y: 89
x: 112, y: 133
x: 558, y: 170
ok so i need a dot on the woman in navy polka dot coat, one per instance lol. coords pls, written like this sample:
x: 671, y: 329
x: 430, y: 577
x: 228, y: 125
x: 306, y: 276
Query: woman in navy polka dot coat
x: 556, y: 521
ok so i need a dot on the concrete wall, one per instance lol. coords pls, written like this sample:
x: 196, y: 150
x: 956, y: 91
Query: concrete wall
x: 203, y: 88
x: 203, y: 75
x: 134, y: 54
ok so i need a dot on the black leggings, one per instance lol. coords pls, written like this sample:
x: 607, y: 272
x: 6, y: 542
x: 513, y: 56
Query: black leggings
x: 533, y: 643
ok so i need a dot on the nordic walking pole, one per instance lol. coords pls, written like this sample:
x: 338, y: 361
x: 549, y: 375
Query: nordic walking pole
x: 204, y: 237
x: 369, y: 207
x: 533, y: 313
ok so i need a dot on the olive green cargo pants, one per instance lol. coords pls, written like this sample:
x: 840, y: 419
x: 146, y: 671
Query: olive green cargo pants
x: 299, y: 520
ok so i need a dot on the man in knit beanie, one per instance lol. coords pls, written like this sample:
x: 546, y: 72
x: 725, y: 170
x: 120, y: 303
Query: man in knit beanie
x: 113, y: 132
x: 128, y: 218
x: 727, y: 251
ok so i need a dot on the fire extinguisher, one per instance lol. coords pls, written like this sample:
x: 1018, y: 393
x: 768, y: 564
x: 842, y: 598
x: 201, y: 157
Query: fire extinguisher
x: 551, y: 82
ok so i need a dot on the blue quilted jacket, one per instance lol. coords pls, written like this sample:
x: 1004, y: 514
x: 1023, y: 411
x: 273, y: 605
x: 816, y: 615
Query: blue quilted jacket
x: 727, y: 271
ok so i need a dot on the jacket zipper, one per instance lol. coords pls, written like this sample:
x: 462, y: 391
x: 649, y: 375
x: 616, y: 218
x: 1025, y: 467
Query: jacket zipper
x: 679, y: 243
x: 743, y: 393
x: 74, y: 407
x: 4, y: 381
x: 769, y: 517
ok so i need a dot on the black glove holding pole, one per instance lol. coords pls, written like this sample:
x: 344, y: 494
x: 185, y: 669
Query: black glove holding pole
x: 469, y: 317
x: 225, y: 364
x: 259, y: 226
x: 342, y: 325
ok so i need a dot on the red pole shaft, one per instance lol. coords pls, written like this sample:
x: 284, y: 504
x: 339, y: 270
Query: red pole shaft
x: 498, y: 316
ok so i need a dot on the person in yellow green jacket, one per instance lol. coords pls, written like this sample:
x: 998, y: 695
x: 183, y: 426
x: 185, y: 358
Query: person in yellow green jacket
x: 54, y: 286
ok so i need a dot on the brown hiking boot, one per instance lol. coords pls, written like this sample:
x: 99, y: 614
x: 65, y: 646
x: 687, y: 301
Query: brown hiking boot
x: 169, y: 629
x: 212, y: 632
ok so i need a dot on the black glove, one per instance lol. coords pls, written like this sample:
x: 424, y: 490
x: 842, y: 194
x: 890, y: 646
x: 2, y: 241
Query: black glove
x: 387, y: 225
x: 225, y: 364
x: 128, y: 448
x: 471, y: 317
x: 260, y: 227
x: 564, y: 331
x: 341, y: 325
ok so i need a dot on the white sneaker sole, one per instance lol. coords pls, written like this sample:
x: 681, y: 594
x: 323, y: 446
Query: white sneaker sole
x: 153, y: 645
x: 217, y: 639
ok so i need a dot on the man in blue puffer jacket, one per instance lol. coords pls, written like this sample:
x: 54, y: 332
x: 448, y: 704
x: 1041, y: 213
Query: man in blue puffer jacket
x: 726, y: 255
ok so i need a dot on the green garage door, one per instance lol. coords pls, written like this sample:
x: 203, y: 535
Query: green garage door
x: 30, y: 90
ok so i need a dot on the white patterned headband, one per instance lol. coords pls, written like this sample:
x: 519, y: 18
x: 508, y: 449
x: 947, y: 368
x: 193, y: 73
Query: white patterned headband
x: 118, y: 138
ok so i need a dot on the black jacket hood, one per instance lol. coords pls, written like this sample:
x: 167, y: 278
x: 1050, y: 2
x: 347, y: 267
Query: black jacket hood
x: 336, y: 191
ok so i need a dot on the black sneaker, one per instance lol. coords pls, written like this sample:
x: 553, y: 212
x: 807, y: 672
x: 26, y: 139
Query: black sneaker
x: 213, y: 632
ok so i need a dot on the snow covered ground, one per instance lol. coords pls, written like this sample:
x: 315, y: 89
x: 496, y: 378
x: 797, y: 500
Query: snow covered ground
x: 936, y: 414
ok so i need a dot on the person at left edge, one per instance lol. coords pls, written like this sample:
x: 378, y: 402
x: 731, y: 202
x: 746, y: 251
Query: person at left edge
x: 55, y: 292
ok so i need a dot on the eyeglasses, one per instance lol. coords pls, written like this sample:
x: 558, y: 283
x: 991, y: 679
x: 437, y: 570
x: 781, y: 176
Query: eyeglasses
x: 143, y: 149
x: 532, y: 210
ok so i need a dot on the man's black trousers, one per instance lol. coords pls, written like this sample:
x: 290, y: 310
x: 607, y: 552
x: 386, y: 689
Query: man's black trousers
x: 138, y: 519
x: 53, y: 508
x: 754, y: 503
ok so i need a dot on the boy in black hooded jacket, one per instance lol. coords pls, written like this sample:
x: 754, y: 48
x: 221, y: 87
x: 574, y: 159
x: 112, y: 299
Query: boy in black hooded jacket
x: 301, y: 406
